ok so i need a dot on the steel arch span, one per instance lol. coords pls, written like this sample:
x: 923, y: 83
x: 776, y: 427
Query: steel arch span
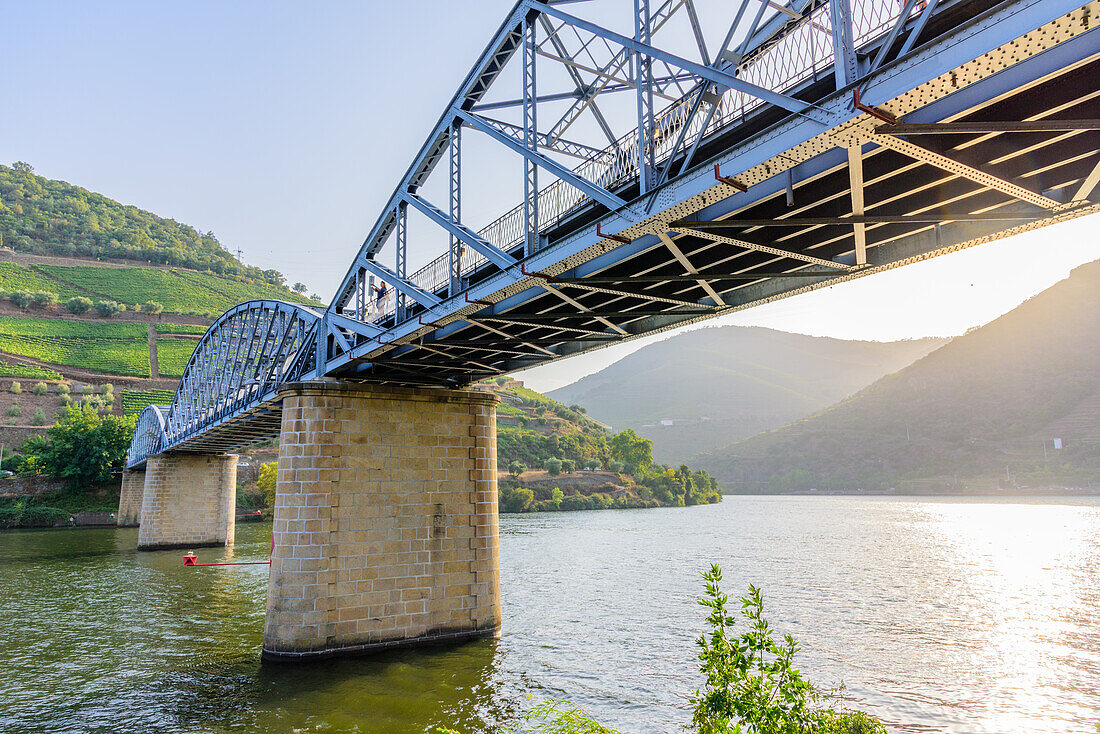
x: 236, y: 368
x: 699, y: 158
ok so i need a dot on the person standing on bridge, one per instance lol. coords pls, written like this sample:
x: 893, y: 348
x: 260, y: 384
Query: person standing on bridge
x: 379, y: 294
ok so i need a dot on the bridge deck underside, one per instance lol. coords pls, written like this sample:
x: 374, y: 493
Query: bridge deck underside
x: 565, y: 318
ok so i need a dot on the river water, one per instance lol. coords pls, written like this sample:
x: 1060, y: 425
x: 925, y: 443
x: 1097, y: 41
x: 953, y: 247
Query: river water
x: 955, y: 615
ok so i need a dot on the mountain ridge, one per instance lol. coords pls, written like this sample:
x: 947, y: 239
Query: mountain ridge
x: 982, y: 411
x: 731, y: 381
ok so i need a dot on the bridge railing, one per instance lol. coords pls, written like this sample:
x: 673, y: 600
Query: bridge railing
x: 802, y: 50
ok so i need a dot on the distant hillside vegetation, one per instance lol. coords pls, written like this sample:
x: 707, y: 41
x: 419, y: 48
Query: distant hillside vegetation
x: 982, y: 411
x: 47, y: 217
x: 717, y: 385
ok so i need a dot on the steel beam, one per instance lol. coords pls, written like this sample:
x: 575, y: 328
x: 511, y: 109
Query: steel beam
x: 708, y: 276
x: 924, y: 155
x: 715, y: 237
x: 926, y: 218
x: 682, y: 259
x: 970, y: 127
x: 1089, y: 184
x: 855, y: 183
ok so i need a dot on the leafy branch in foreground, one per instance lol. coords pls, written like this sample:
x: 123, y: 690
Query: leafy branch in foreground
x: 752, y: 686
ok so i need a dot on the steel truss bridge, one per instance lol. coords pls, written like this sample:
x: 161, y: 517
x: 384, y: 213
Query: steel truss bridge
x: 696, y: 162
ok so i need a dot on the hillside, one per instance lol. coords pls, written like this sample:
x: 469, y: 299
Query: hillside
x: 96, y: 295
x: 47, y: 217
x: 980, y: 412
x: 551, y: 457
x: 709, y: 387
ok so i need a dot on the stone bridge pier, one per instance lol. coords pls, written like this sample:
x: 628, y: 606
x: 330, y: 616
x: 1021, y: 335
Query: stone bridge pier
x: 181, y: 500
x: 385, y: 520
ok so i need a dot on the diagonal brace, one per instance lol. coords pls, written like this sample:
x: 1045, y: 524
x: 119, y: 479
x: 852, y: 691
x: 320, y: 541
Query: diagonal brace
x: 932, y: 158
x: 425, y: 299
x: 600, y: 194
x: 491, y: 252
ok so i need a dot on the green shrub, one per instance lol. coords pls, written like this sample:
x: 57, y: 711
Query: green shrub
x: 152, y: 307
x: 751, y: 682
x: 106, y: 309
x: 44, y: 298
x: 615, y: 466
x: 14, y: 411
x: 78, y: 304
x: 22, y: 515
x: 514, y: 499
x: 16, y: 387
x: 22, y: 299
x: 40, y: 388
x: 39, y: 417
x: 63, y: 388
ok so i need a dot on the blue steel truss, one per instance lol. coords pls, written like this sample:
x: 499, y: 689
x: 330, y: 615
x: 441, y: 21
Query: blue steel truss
x: 649, y: 138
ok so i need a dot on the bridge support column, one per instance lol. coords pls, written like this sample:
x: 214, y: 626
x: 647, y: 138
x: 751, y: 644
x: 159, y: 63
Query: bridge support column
x: 189, y: 501
x: 130, y: 498
x: 385, y: 520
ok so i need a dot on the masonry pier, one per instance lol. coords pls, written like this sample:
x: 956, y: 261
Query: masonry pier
x: 130, y: 498
x: 385, y: 520
x: 189, y: 501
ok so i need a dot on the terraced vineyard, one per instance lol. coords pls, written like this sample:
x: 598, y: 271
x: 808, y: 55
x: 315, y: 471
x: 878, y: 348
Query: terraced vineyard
x: 179, y: 291
x: 18, y: 278
x: 29, y: 371
x: 237, y: 292
x: 195, y: 329
x: 172, y: 356
x: 115, y: 348
x: 134, y: 401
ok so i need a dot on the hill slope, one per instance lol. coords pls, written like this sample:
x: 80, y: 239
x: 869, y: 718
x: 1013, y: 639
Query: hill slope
x: 721, y: 384
x: 981, y: 411
x: 49, y: 217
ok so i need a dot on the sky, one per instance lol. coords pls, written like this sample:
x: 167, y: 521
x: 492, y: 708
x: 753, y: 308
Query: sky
x: 283, y: 128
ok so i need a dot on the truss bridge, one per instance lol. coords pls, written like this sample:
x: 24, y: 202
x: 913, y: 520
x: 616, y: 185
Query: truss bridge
x: 669, y: 161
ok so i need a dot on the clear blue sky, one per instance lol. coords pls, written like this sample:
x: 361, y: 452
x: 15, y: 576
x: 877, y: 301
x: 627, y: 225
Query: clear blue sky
x: 283, y: 128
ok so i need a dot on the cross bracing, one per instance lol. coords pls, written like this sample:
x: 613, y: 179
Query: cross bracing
x: 693, y: 162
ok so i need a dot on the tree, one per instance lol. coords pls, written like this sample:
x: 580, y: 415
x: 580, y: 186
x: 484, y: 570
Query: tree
x: 22, y: 167
x: 22, y: 299
x: 568, y: 465
x: 631, y: 449
x: 299, y: 287
x: 84, y: 446
x: 78, y: 304
x: 44, y: 298
x: 514, y: 499
x: 552, y: 466
x: 269, y: 475
x: 106, y: 309
x: 515, y: 468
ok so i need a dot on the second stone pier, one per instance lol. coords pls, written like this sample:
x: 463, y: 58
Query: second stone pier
x: 385, y: 520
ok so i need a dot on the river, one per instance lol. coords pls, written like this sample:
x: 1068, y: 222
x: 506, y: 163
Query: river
x: 955, y: 615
